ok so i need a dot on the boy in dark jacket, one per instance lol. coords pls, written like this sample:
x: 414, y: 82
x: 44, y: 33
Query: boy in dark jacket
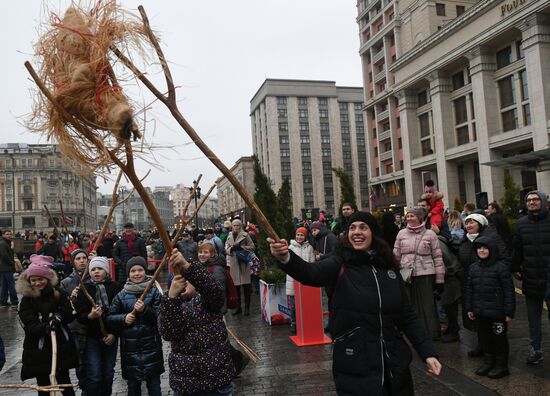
x: 491, y: 302
x: 140, y: 342
x: 101, y: 349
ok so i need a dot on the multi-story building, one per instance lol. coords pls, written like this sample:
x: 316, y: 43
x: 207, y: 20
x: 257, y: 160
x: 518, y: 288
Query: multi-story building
x: 389, y: 29
x: 34, y: 175
x: 474, y: 98
x: 207, y: 213
x: 303, y: 129
x: 230, y: 203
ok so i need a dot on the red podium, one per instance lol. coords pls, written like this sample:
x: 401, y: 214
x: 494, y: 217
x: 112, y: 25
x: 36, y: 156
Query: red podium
x: 309, y: 316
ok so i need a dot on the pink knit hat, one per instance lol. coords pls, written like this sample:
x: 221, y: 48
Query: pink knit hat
x: 40, y: 266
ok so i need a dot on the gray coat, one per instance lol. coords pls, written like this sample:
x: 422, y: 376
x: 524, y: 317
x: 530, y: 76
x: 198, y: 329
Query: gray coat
x: 240, y: 272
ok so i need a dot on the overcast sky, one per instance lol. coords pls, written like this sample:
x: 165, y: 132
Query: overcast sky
x: 220, y: 52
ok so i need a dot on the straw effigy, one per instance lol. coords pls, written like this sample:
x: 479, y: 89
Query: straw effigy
x: 76, y: 66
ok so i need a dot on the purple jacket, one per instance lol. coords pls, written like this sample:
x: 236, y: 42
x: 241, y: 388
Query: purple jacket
x: 200, y: 358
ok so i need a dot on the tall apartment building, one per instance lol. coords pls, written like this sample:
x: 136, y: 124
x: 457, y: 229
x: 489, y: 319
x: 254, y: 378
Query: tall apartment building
x: 463, y: 96
x: 230, y: 203
x: 387, y: 30
x: 34, y: 175
x: 301, y: 130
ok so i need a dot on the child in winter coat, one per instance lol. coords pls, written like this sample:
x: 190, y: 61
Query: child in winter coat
x: 140, y: 342
x: 435, y: 200
x: 304, y: 250
x: 491, y: 302
x: 200, y: 358
x: 44, y: 312
x: 101, y: 349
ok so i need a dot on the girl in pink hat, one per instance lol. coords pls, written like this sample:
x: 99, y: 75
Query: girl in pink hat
x: 44, y: 309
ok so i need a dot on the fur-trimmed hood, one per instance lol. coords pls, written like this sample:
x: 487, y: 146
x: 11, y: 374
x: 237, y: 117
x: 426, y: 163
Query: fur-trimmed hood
x: 24, y: 286
x: 437, y: 196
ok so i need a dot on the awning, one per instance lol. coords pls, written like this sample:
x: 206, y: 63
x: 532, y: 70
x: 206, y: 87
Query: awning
x: 538, y: 161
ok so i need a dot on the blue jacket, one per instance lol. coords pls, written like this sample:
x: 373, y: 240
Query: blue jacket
x: 140, y: 343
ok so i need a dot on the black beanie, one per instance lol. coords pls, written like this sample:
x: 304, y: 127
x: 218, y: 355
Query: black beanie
x: 366, y: 218
x: 136, y: 260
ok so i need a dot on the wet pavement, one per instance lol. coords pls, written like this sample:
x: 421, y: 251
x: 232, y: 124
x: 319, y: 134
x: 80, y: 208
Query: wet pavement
x: 285, y: 369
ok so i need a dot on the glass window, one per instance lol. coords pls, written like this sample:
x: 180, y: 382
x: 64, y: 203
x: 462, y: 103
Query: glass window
x: 524, y: 86
x: 306, y: 165
x: 504, y: 57
x: 302, y: 113
x: 285, y: 153
x: 387, y: 145
x: 283, y: 139
x: 424, y: 122
x: 345, y: 129
x: 462, y: 135
x: 323, y: 113
x: 359, y: 118
x: 509, y: 120
x: 346, y: 142
x: 325, y: 139
x: 324, y: 127
x: 426, y: 146
x: 285, y: 166
x: 302, y: 100
x: 461, y: 114
x: 460, y: 10
x: 507, y: 91
x: 304, y: 127
x: 526, y: 114
x: 304, y: 139
x: 281, y: 113
x: 346, y: 154
x: 440, y: 9
x: 326, y: 152
x: 519, y: 49
x: 343, y: 106
x: 358, y: 106
x: 306, y: 152
x: 327, y: 166
x: 323, y: 101
x: 283, y: 127
x: 458, y: 80
x: 422, y: 98
x: 344, y: 117
x: 29, y: 222
x: 281, y: 100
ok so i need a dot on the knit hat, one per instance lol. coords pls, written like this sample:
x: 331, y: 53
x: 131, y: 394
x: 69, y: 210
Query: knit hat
x: 419, y: 212
x: 482, y: 220
x: 366, y: 218
x: 302, y: 230
x: 227, y: 224
x: 317, y: 225
x: 430, y: 187
x: 40, y: 266
x: 77, y: 251
x: 136, y: 260
x: 99, y: 262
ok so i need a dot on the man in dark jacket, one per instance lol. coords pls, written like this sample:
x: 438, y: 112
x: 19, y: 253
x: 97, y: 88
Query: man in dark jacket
x: 187, y: 247
x: 130, y: 245
x: 499, y: 222
x: 342, y: 223
x: 530, y: 260
x: 52, y: 249
x: 324, y: 241
x: 7, y: 268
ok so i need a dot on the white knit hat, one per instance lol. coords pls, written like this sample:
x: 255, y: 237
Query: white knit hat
x: 99, y: 262
x: 482, y: 220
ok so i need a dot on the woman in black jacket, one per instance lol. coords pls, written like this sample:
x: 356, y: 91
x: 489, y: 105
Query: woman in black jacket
x: 370, y: 310
x: 45, y: 309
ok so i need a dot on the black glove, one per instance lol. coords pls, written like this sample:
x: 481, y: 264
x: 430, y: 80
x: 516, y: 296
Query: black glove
x: 48, y: 329
x: 55, y: 322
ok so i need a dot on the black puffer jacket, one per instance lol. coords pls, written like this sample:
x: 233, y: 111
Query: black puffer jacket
x: 122, y: 254
x: 34, y: 313
x: 370, y: 309
x: 490, y: 289
x: 531, y: 256
x: 140, y: 343
x: 7, y: 261
x: 467, y: 254
x: 325, y: 242
x: 83, y: 308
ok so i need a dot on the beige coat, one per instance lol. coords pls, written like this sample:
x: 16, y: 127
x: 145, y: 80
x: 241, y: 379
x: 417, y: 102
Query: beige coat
x: 239, y: 272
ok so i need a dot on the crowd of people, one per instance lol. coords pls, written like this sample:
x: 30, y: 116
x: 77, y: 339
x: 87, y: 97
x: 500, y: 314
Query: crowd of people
x: 385, y: 278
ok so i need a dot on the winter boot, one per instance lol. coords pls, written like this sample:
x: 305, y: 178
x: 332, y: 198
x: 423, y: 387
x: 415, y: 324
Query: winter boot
x: 239, y: 310
x: 247, y: 292
x: 488, y: 364
x: 501, y: 368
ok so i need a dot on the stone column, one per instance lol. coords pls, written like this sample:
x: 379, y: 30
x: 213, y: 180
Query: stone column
x: 443, y: 133
x: 482, y: 69
x: 411, y: 145
x: 536, y: 45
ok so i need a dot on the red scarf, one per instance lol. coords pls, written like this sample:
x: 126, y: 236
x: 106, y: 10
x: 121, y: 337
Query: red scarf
x: 130, y: 239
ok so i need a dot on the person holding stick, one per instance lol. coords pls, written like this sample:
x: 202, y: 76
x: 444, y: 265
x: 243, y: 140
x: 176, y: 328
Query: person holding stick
x: 140, y: 342
x: 191, y: 312
x: 370, y: 311
x: 45, y: 311
x: 101, y: 347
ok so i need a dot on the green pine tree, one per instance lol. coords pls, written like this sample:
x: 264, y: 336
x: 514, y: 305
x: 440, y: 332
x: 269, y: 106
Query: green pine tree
x: 458, y: 204
x: 347, y: 193
x: 284, y: 207
x: 510, y: 201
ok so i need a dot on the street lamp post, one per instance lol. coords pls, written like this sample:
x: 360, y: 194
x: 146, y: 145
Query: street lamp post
x: 196, y: 197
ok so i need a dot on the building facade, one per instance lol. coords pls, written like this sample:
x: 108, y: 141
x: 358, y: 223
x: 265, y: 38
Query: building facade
x: 388, y: 29
x: 458, y: 96
x: 208, y: 213
x: 230, y: 203
x: 34, y: 175
x: 301, y: 130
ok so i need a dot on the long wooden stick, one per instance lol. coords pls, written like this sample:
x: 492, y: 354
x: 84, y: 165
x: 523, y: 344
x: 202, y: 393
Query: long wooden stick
x: 63, y: 218
x: 53, y: 369
x: 47, y: 388
x: 114, y: 202
x: 173, y: 242
x: 51, y: 218
x: 170, y: 102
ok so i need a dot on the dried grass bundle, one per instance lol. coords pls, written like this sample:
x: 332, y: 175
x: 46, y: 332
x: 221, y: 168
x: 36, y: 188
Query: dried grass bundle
x: 76, y: 66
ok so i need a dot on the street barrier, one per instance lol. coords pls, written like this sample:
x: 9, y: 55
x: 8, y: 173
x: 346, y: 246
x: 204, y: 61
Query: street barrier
x: 309, y: 316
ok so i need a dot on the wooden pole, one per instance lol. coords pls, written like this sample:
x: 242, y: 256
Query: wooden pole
x: 53, y: 380
x: 114, y: 204
x: 51, y: 219
x: 63, y: 218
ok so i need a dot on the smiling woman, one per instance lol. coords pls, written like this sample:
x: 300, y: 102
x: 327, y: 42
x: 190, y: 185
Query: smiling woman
x: 370, y: 311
